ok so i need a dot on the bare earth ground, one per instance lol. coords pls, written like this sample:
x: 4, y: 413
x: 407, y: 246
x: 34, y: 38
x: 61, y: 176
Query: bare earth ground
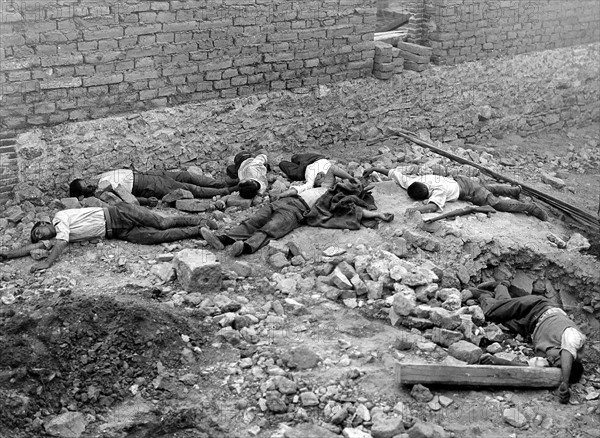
x: 100, y: 335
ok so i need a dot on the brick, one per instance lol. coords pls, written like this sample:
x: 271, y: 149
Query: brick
x: 143, y: 30
x: 103, y: 79
x: 44, y: 108
x: 407, y: 56
x: 60, y: 83
x: 414, y: 48
x: 111, y: 33
x: 198, y: 270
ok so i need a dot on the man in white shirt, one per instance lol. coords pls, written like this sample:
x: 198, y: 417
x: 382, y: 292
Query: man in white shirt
x: 436, y: 190
x: 252, y: 174
x: 146, y: 187
x: 122, y: 221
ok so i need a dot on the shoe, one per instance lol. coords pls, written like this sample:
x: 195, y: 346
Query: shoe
x: 211, y: 238
x: 387, y: 217
x: 517, y: 192
x: 539, y: 213
x: 236, y: 249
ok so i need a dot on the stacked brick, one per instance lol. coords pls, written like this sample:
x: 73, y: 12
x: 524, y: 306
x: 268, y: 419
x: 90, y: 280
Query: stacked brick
x: 8, y: 163
x: 416, y: 57
x: 76, y: 60
x: 387, y: 61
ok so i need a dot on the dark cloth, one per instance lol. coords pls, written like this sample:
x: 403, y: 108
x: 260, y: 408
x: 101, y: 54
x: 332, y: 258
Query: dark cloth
x: 272, y: 221
x: 184, y: 176
x: 296, y: 168
x: 141, y: 225
x: 337, y: 208
x: 524, y: 311
x: 159, y: 184
x: 471, y: 191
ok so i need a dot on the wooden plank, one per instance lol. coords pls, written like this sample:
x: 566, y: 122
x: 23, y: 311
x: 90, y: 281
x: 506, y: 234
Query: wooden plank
x: 477, y: 375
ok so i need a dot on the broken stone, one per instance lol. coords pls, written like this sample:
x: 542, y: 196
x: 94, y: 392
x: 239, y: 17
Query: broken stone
x: 445, y: 337
x: 494, y: 348
x: 198, y: 270
x: 577, y: 243
x: 309, y: 399
x: 426, y: 430
x: 513, y: 417
x: 426, y: 347
x: 453, y: 303
x: 397, y: 272
x: 421, y: 393
x: 445, y: 401
x: 426, y: 243
x: 25, y: 192
x: 422, y: 311
x: 176, y: 195
x: 417, y: 323
x: 339, y: 280
x: 69, y: 203
x: 349, y: 432
x: 404, y: 301
x: 164, y: 271
x: 493, y: 333
x: 419, y: 277
x: 334, y: 251
x: 228, y: 334
x: 434, y: 404
x: 444, y: 318
x: 276, y: 402
x: 425, y: 293
x: 279, y: 261
x: 465, y: 351
x: 285, y: 385
x: 350, y: 303
x: 67, y: 425
x: 386, y: 427
x: 553, y: 181
x: 374, y: 289
x: 359, y: 285
x: 193, y: 205
x: 125, y: 195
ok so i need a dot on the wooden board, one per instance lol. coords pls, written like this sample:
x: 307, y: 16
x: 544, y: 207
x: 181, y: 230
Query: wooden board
x: 477, y: 375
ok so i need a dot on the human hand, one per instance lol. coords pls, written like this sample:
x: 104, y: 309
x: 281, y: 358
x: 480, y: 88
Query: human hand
x: 411, y: 212
x: 563, y: 393
x: 152, y: 201
x: 40, y: 266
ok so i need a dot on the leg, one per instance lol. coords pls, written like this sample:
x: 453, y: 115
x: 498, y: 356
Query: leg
x: 504, y: 190
x: 504, y: 310
x: 197, y: 180
x: 386, y: 217
x: 155, y: 185
x: 292, y: 170
x: 511, y: 205
x: 133, y: 216
x: 151, y: 236
x: 247, y: 228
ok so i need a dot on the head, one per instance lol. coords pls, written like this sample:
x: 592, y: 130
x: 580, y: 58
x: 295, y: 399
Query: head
x: 80, y: 187
x: 576, y: 371
x: 319, y: 179
x: 418, y: 191
x: 248, y: 188
x: 42, y: 231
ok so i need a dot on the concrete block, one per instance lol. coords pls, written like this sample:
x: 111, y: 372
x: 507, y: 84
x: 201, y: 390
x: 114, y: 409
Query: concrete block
x: 198, y: 270
x: 70, y: 203
x: 419, y: 59
x: 126, y: 195
x: 465, y: 351
x: 409, y: 65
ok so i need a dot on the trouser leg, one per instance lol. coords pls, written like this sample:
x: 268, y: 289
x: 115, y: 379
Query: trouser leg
x: 197, y: 180
x: 247, y: 228
x: 151, y: 236
x: 135, y: 216
x: 503, y: 310
x: 513, y: 206
x: 503, y: 190
x: 147, y: 185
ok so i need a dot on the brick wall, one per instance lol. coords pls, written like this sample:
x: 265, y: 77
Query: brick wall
x: 69, y: 60
x: 466, y: 30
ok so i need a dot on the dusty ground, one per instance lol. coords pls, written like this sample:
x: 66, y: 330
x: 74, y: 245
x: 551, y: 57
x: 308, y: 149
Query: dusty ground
x: 100, y: 335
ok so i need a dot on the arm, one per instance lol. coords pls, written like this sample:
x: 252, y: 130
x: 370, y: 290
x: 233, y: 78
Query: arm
x: 427, y: 208
x: 284, y: 194
x: 381, y: 170
x: 566, y: 363
x: 340, y: 173
x: 20, y: 252
x: 57, y: 250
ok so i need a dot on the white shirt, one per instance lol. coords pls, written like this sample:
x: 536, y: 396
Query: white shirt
x: 441, y: 189
x: 254, y: 168
x: 118, y: 176
x: 311, y: 196
x: 78, y: 224
x: 312, y: 170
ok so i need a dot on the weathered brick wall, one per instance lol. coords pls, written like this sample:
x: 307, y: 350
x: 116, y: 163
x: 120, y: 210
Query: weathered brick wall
x: 463, y: 104
x: 77, y: 59
x: 466, y: 30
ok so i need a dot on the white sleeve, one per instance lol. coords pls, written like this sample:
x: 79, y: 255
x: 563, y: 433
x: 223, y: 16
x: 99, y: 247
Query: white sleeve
x: 399, y: 178
x: 61, y: 225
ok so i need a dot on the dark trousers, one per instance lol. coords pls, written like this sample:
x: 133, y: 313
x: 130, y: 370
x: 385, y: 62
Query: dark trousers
x: 272, y: 221
x: 141, y: 225
x: 184, y: 176
x: 519, y: 314
x: 146, y: 185
x: 296, y: 168
x: 481, y: 194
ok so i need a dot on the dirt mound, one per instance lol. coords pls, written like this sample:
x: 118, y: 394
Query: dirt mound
x: 85, y: 354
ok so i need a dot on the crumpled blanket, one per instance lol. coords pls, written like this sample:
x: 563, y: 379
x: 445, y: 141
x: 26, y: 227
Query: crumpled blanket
x: 337, y: 208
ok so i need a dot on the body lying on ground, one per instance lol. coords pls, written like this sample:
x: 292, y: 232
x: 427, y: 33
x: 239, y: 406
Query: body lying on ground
x: 313, y: 169
x: 149, y: 186
x: 436, y: 190
x: 554, y: 335
x: 281, y: 216
x: 251, y: 172
x: 122, y: 221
